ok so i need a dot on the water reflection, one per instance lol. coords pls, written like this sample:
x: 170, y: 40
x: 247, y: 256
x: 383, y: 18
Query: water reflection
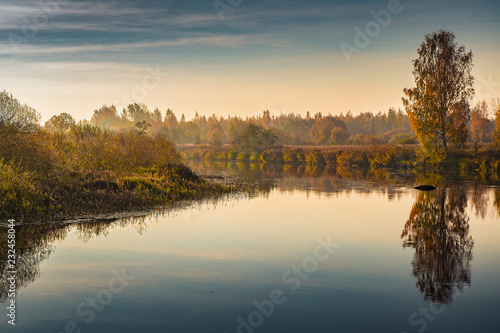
x: 479, y: 200
x: 438, y: 230
x: 33, y: 245
x: 36, y: 242
x: 325, y: 181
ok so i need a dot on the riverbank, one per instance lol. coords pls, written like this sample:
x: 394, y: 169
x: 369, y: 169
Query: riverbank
x: 87, y: 193
x: 89, y: 171
x: 348, y: 159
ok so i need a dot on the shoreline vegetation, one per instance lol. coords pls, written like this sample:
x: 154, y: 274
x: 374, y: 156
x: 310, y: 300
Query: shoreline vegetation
x: 65, y: 170
x: 403, y: 159
x: 61, y: 191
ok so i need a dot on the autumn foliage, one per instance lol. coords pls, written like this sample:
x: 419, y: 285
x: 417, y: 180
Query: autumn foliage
x: 66, y: 169
x: 439, y: 104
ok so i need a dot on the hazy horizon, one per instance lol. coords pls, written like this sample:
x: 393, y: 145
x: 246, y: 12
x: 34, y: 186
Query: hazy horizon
x: 286, y: 56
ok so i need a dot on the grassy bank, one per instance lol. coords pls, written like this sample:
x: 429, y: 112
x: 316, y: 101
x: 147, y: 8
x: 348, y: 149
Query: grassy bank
x: 408, y: 158
x: 86, y: 170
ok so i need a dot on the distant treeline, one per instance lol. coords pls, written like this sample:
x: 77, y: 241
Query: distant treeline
x: 257, y: 133
x: 284, y: 129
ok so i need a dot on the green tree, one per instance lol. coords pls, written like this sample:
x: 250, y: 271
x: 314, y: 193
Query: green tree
x: 171, y: 122
x: 21, y: 141
x: 170, y: 119
x: 439, y: 104
x: 142, y: 127
x: 321, y: 131
x: 496, y: 138
x: 60, y: 124
x: 339, y: 136
x: 157, y: 125
x: 215, y: 135
x: 479, y: 123
x: 106, y: 117
x: 16, y: 117
x: 189, y: 132
x: 137, y: 112
x: 255, y: 139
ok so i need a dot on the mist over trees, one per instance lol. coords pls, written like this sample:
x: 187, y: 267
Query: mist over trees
x: 265, y: 130
x: 262, y: 131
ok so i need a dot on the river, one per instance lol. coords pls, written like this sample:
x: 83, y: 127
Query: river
x: 302, y: 253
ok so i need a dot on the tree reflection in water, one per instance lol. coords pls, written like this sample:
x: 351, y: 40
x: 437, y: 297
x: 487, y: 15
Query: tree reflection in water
x: 438, y: 230
x: 35, y: 243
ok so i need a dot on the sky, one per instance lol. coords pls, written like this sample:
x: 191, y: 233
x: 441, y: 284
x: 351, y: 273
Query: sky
x: 232, y: 57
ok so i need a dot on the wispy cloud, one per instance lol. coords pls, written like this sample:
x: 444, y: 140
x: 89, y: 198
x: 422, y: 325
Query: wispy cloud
x: 73, y: 15
x: 225, y: 41
x: 34, y: 69
x: 117, y: 16
x: 80, y: 8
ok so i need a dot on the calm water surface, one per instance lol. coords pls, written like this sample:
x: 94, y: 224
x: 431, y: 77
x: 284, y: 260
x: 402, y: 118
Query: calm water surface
x: 304, y: 254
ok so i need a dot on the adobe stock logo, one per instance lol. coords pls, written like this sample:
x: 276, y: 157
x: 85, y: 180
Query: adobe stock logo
x: 138, y: 93
x: 372, y: 29
x: 292, y: 279
x: 31, y: 26
x: 221, y: 8
x: 421, y: 319
x: 103, y: 298
x: 486, y: 87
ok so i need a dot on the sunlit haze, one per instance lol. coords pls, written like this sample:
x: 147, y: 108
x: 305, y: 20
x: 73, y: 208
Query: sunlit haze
x: 285, y: 56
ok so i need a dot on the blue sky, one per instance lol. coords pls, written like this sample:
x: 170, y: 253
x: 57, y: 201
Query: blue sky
x: 74, y: 56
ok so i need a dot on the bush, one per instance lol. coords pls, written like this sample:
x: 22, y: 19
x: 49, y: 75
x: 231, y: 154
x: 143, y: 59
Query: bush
x: 403, y: 138
x: 408, y: 141
x: 353, y: 158
x: 389, y: 157
x: 18, y: 193
x: 95, y: 148
x: 366, y: 139
x: 33, y: 151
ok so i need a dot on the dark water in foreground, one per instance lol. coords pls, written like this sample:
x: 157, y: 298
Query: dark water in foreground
x: 304, y: 254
